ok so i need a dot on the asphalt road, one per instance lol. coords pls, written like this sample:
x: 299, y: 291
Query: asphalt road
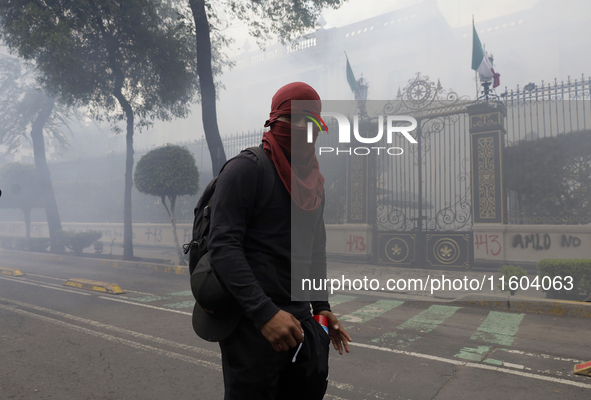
x: 59, y: 342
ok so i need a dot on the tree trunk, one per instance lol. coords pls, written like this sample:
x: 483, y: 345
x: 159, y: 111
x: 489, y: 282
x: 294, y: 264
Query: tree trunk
x: 173, y: 223
x: 27, y: 212
x: 113, y: 55
x: 51, y: 211
x: 127, y: 222
x: 208, y: 97
x: 176, y: 238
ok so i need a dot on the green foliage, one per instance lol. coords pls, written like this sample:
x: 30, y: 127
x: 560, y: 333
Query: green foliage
x: 39, y: 244
x: 508, y: 271
x: 78, y: 241
x: 169, y: 171
x: 22, y: 100
x: 285, y: 20
x: 98, y: 247
x: 20, y: 186
x: 579, y: 269
x: 86, y: 52
x: 6, y: 242
x: 36, y: 244
x: 551, y: 175
x: 130, y: 60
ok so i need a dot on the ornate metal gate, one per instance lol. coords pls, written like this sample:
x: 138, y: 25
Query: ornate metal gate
x: 424, y: 198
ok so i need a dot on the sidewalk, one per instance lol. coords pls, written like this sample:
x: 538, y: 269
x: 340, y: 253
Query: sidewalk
x: 530, y: 300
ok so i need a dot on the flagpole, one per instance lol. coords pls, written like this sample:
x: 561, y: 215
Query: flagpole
x: 475, y: 72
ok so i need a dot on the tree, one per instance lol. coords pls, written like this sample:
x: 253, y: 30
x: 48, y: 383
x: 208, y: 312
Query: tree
x: 21, y: 190
x: 285, y: 19
x: 168, y: 172
x: 24, y: 104
x: 551, y: 177
x: 129, y: 60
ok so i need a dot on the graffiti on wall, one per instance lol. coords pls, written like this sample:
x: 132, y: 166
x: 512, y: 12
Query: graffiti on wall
x: 539, y: 241
x: 490, y: 244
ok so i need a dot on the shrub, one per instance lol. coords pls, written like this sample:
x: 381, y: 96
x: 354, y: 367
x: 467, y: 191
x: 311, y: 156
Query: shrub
x: 36, y: 244
x: 578, y: 269
x: 511, y: 271
x: 39, y: 244
x: 6, y: 242
x: 78, y: 241
x: 20, y: 243
x: 98, y: 247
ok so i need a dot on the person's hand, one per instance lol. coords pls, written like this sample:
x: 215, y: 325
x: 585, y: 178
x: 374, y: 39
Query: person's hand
x: 338, y: 334
x: 283, y: 331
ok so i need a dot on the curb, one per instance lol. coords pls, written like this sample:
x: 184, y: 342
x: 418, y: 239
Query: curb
x: 568, y: 308
x: 97, y: 286
x: 533, y: 305
x: 164, y: 268
x: 519, y: 304
x: 11, y: 271
x: 70, y: 259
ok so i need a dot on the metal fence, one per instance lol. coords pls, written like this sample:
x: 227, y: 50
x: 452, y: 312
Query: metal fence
x: 233, y: 144
x: 547, y: 161
x: 549, y: 109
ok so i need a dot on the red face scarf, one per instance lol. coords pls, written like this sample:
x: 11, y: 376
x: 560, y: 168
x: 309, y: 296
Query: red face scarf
x: 295, y: 158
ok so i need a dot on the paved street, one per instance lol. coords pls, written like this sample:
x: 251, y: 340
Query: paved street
x: 60, y: 342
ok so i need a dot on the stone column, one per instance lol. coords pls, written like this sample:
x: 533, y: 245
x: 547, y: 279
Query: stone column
x: 487, y: 140
x: 359, y: 230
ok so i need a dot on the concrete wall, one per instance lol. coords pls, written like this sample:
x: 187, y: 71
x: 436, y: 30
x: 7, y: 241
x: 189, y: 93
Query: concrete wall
x: 492, y: 242
x: 531, y: 243
x: 352, y: 241
x: 342, y: 240
x: 143, y: 234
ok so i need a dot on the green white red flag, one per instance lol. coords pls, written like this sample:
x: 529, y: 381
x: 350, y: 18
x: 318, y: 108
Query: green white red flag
x: 480, y: 61
x: 350, y: 77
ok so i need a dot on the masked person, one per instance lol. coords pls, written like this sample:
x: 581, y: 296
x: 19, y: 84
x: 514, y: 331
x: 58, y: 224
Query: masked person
x: 277, y: 350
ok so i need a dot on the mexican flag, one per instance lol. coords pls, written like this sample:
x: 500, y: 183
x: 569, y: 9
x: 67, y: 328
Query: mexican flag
x: 350, y: 76
x: 480, y: 61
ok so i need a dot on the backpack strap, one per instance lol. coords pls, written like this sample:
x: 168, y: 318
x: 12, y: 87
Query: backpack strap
x: 268, y: 176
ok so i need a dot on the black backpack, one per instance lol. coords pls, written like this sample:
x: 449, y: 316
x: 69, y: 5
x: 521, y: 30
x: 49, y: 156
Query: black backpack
x: 197, y: 247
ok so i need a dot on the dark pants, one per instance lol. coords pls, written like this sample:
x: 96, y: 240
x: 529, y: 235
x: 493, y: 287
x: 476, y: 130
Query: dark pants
x: 254, y: 370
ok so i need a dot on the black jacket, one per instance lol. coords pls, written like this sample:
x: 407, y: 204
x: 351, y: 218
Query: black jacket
x: 251, y: 245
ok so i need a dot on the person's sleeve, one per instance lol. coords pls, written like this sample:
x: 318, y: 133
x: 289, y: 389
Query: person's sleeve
x: 234, y: 200
x: 318, y: 267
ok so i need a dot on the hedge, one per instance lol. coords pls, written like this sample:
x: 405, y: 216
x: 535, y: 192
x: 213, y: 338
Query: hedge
x: 578, y: 269
x: 78, y: 241
x: 36, y: 244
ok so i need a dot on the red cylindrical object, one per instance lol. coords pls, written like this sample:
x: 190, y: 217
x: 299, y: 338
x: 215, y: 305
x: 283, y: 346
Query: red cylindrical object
x: 323, y: 321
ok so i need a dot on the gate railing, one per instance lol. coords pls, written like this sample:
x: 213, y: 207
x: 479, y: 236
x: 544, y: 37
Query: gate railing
x: 547, y: 159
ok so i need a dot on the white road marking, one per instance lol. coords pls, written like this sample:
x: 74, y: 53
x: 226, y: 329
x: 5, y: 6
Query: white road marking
x: 474, y: 365
x: 45, y: 286
x: 140, y: 346
x: 146, y: 305
x: 48, y: 277
x: 349, y: 388
x: 111, y: 338
x: 546, y: 356
x: 510, y: 365
x: 65, y: 279
x: 115, y: 329
x: 144, y: 293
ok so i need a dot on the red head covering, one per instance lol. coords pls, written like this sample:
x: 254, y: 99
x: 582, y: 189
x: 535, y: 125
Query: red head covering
x: 300, y: 174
